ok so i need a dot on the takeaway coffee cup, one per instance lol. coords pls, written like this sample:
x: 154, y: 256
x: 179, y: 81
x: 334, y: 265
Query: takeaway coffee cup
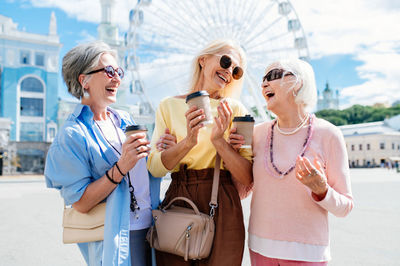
x: 201, y: 99
x: 135, y: 129
x: 244, y: 126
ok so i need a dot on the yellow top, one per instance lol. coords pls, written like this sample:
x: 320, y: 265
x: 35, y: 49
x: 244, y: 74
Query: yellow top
x: 171, y: 114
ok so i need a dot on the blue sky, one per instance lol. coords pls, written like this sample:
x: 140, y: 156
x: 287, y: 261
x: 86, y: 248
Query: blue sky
x: 347, y: 41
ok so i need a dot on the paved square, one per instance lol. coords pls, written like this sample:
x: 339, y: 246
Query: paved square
x: 30, y: 228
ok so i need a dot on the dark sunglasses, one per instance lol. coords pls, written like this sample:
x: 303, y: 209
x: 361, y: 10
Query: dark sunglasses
x: 225, y: 62
x: 276, y: 73
x: 110, y: 71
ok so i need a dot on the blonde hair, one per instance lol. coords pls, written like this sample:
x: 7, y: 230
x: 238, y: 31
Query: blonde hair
x: 216, y: 47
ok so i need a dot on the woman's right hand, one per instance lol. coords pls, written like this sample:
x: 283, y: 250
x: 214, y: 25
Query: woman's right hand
x: 133, y: 149
x: 235, y: 140
x: 194, y: 117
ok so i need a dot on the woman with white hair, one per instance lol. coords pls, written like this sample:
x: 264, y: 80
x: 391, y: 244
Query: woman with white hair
x: 217, y: 69
x: 300, y: 172
x: 91, y: 161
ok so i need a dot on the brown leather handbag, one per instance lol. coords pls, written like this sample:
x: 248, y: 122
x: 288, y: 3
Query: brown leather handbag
x: 185, y: 232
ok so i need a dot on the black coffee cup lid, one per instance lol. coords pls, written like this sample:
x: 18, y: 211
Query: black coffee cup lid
x: 196, y: 94
x: 246, y: 118
x: 136, y: 127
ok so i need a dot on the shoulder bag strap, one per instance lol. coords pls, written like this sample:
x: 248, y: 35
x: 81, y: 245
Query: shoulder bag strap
x: 214, y: 193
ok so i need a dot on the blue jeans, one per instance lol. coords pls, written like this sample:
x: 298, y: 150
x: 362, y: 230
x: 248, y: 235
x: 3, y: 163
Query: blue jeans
x: 140, y: 248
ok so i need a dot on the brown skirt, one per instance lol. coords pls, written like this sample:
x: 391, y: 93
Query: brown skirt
x: 229, y: 235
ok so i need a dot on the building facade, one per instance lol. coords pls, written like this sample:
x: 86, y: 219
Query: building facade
x: 373, y: 144
x: 29, y: 88
x: 329, y: 99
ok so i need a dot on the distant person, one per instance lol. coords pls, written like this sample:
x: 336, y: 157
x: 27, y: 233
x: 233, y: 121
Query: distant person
x: 91, y: 160
x: 300, y: 172
x: 217, y: 69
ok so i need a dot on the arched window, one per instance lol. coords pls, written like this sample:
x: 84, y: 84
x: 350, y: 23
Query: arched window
x: 32, y: 85
x: 32, y: 109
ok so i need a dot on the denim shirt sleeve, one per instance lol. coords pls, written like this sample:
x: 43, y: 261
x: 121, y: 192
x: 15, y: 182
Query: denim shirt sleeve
x: 67, y: 165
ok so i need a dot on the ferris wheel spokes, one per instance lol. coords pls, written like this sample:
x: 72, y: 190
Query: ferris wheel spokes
x: 170, y: 33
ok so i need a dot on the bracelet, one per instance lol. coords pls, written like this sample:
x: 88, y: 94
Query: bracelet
x: 119, y: 170
x: 111, y: 180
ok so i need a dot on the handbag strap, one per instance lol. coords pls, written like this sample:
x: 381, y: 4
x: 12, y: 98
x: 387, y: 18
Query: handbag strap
x: 214, y: 192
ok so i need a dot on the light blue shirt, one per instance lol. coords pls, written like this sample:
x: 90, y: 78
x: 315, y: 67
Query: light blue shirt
x: 80, y: 155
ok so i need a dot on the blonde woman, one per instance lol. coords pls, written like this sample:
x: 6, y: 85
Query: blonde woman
x: 217, y: 69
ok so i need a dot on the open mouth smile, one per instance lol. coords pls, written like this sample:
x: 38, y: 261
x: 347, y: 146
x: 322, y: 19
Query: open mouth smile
x: 223, y: 77
x: 269, y: 94
x: 113, y: 90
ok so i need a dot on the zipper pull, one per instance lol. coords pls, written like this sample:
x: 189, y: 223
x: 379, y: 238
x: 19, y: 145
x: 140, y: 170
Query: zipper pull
x: 188, y: 231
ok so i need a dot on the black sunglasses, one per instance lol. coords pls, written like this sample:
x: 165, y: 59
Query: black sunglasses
x: 276, y: 73
x: 225, y: 62
x: 110, y: 71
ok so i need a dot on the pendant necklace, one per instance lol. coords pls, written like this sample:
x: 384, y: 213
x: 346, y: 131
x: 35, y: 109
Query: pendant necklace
x: 134, y: 204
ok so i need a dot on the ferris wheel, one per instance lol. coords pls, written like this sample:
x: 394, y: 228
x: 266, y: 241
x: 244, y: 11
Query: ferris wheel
x: 165, y: 35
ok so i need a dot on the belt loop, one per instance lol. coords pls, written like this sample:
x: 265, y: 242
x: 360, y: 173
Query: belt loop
x: 183, y: 173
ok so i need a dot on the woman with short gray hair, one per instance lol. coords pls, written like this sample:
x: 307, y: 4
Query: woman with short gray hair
x: 92, y: 161
x: 300, y: 172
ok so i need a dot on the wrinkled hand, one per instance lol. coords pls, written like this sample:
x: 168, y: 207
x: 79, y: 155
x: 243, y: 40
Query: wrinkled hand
x: 166, y: 141
x: 235, y: 140
x: 312, y: 176
x: 133, y: 149
x: 222, y: 121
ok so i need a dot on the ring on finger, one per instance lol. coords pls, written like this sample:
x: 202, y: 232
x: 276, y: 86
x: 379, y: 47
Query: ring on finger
x: 137, y: 149
x: 312, y: 173
x: 164, y: 146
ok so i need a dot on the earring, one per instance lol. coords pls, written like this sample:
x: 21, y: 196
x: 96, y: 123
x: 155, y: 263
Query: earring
x: 294, y: 93
x: 86, y: 94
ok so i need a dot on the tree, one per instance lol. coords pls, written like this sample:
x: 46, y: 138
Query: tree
x: 358, y: 114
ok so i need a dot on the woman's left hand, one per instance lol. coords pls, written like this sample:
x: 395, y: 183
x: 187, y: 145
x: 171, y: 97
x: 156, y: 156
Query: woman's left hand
x: 166, y: 141
x: 222, y: 121
x: 312, y: 176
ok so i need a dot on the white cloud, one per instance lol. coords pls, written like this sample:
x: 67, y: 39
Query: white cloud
x: 382, y: 73
x: 343, y: 27
x: 86, y: 37
x: 90, y: 10
x: 366, y: 29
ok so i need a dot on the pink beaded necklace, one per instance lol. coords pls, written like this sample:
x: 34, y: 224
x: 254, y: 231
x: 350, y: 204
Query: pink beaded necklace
x: 305, y: 146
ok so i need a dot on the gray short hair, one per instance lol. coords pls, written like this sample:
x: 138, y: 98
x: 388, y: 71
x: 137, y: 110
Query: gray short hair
x: 80, y: 60
x: 304, y: 73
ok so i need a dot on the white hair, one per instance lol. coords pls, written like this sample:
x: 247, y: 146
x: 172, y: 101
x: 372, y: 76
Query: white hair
x: 304, y: 73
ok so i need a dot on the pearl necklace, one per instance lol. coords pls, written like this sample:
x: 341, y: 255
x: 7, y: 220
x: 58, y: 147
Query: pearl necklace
x: 305, y: 145
x: 302, y: 123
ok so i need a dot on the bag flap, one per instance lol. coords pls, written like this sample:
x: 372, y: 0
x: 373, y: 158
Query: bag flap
x: 94, y: 218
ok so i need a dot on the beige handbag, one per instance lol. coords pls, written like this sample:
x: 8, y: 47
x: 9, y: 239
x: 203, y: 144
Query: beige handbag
x: 185, y: 231
x: 84, y: 227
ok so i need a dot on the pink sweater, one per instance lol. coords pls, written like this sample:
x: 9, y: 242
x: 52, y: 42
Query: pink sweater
x: 283, y: 209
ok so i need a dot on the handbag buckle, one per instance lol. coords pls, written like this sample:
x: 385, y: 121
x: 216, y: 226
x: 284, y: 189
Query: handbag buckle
x: 212, y: 210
